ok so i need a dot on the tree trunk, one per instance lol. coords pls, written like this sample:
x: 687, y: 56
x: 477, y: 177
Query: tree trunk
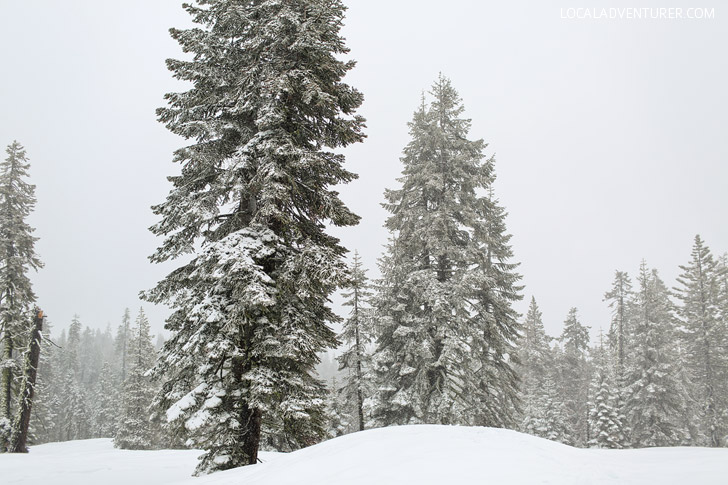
x: 7, y: 375
x: 251, y: 434
x: 27, y: 389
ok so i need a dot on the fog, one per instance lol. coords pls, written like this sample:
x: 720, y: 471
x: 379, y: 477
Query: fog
x: 609, y: 137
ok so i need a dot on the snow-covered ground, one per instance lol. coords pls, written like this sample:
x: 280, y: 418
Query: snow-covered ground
x: 418, y: 455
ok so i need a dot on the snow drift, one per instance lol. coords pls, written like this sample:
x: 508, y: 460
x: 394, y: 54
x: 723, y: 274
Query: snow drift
x: 419, y: 455
x: 444, y: 455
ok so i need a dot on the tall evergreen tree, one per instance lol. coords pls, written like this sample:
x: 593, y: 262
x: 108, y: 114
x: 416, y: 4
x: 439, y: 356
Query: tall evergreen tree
x: 552, y: 421
x: 106, y: 403
x: 356, y: 335
x: 706, y: 339
x: 619, y: 297
x: 607, y: 425
x: 74, y: 404
x: 574, y: 372
x: 17, y: 257
x: 135, y: 429
x: 122, y: 342
x: 446, y: 349
x: 536, y: 362
x: 266, y: 111
x: 655, y: 397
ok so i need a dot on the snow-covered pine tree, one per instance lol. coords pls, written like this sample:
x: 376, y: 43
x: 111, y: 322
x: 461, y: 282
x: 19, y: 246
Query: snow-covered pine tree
x: 356, y: 335
x: 604, y: 415
x: 266, y: 110
x: 73, y: 414
x: 446, y: 347
x: 17, y: 257
x: 121, y: 343
x: 105, y: 409
x: 136, y: 431
x: 90, y: 362
x: 606, y: 424
x: 655, y: 397
x: 619, y: 331
x: 535, y: 363
x: 551, y: 422
x: 574, y: 377
x: 51, y: 392
x: 705, y: 341
x: 339, y: 416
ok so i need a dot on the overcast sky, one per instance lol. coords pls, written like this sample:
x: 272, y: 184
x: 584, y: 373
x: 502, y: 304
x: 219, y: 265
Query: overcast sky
x: 609, y: 135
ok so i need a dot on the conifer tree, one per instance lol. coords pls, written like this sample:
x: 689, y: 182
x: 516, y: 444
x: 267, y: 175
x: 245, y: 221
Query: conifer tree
x: 605, y: 416
x: 50, y: 392
x: 574, y: 371
x: 106, y: 403
x: 337, y: 412
x: 619, y: 297
x: 136, y: 431
x: 74, y: 411
x: 356, y: 335
x: 551, y: 422
x: 446, y: 349
x: 605, y: 421
x: 705, y: 339
x: 655, y: 400
x: 122, y: 342
x: 265, y: 113
x: 535, y: 363
x: 17, y: 257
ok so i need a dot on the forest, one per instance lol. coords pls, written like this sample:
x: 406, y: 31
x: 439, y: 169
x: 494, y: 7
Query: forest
x: 432, y: 339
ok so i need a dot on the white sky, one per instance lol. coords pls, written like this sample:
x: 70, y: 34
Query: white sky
x: 610, y: 136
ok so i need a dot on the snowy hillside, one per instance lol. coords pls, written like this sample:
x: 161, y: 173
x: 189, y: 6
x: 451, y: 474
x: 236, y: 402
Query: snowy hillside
x: 409, y: 454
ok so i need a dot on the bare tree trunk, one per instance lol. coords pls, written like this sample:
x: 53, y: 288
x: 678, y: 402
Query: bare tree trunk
x: 19, y: 437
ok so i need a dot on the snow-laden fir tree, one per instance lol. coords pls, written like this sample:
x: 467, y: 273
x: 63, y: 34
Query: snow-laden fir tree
x: 17, y: 257
x: 574, y: 377
x: 74, y: 413
x: 339, y: 415
x: 706, y: 340
x: 535, y: 364
x: 105, y: 409
x: 136, y: 431
x: 618, y: 298
x: 606, y: 421
x: 356, y: 335
x: 606, y: 430
x: 446, y: 346
x: 655, y: 401
x: 551, y: 421
x: 121, y: 343
x: 265, y: 114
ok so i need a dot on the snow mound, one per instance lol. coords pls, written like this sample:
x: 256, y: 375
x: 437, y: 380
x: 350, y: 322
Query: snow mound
x: 443, y: 455
x: 419, y: 455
